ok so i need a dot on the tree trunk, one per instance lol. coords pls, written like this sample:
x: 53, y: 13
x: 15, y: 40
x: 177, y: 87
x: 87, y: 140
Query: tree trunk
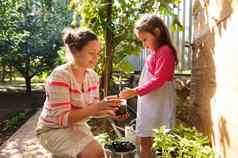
x: 214, y: 86
x: 203, y: 82
x: 10, y: 73
x: 108, y: 67
x: 3, y: 74
x: 28, y: 85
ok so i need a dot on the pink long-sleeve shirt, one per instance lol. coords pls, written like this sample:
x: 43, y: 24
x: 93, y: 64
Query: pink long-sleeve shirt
x: 161, y: 64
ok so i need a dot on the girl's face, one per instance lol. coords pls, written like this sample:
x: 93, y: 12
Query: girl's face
x: 149, y: 40
x: 87, y: 56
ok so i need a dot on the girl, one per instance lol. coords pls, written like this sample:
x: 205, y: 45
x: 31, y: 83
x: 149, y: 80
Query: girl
x: 72, y: 96
x: 156, y: 91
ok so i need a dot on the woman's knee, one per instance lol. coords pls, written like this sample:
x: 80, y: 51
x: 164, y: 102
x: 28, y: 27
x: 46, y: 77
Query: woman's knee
x: 92, y: 150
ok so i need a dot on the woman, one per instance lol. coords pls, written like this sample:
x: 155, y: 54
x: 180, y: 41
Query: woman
x: 72, y: 96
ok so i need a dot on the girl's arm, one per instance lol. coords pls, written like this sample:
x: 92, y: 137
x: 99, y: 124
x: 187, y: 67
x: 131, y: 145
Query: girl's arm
x: 164, y: 70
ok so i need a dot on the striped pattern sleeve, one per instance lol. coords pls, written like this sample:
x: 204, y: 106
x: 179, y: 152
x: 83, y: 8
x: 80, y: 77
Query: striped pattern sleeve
x: 58, y: 98
x: 94, y: 86
x: 97, y: 95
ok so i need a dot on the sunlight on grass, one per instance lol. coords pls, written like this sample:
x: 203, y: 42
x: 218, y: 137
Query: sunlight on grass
x: 18, y: 84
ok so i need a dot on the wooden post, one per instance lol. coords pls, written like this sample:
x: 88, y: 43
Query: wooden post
x: 108, y: 65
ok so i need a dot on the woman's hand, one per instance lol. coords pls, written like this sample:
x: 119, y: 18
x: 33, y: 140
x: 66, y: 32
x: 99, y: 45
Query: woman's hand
x: 128, y: 93
x: 121, y: 117
x: 106, y: 107
x: 111, y: 97
x: 117, y: 117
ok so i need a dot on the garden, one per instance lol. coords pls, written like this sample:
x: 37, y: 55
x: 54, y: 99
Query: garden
x: 31, y: 47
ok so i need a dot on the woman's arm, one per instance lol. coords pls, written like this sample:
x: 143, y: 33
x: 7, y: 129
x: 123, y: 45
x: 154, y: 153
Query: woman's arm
x: 58, y: 104
x: 103, y: 108
x: 78, y: 115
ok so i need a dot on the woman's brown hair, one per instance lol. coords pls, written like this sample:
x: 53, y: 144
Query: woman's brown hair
x: 76, y: 38
x: 150, y: 23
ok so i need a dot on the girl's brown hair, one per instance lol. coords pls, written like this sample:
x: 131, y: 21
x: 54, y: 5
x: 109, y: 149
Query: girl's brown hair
x: 149, y: 23
x: 77, y: 38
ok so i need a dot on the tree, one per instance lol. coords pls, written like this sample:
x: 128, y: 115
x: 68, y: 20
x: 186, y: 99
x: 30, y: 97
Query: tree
x: 123, y: 16
x: 38, y: 38
x: 8, y: 23
x: 108, y: 59
x: 214, y: 83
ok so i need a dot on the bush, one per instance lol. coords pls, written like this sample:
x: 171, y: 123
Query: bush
x: 181, y: 142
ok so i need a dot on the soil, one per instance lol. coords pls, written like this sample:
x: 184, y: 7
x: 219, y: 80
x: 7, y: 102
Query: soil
x: 15, y: 109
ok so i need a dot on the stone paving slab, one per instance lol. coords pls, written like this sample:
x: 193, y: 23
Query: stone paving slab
x: 23, y: 144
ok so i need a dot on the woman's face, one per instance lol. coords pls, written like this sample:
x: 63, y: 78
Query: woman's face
x: 87, y: 56
x: 148, y: 40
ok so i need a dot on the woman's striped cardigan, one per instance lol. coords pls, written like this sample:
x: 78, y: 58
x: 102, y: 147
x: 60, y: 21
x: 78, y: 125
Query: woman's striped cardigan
x: 64, y: 94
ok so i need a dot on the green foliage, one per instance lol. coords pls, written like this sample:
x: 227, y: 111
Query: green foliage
x: 31, y: 34
x: 176, y: 25
x: 181, y: 142
x: 124, y: 66
x: 124, y: 14
x: 105, y: 138
x: 14, y: 120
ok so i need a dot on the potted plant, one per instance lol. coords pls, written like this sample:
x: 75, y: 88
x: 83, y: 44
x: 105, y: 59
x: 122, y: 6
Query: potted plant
x: 117, y: 147
x: 181, y: 142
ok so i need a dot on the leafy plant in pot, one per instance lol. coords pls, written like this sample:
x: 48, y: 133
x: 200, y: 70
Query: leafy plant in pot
x: 117, y: 147
x: 181, y: 142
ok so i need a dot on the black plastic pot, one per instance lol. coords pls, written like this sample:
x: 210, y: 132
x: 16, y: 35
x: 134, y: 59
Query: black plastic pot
x: 120, y: 149
x: 122, y: 110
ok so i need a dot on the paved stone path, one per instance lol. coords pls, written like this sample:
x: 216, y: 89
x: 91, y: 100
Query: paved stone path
x: 23, y: 144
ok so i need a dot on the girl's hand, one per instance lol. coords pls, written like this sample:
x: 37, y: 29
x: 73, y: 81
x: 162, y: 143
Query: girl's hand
x: 121, y: 117
x: 128, y: 93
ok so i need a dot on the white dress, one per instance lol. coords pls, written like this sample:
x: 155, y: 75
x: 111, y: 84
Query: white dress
x: 156, y: 108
